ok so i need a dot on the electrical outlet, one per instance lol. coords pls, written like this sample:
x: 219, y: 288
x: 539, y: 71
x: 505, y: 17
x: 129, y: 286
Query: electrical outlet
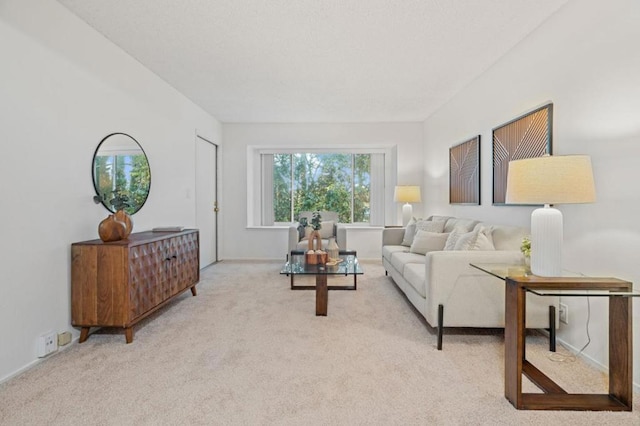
x: 64, y: 338
x: 47, y: 343
x: 564, y: 313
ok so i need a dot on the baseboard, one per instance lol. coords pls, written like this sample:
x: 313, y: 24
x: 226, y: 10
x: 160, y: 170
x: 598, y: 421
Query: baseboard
x: 38, y: 361
x: 592, y: 362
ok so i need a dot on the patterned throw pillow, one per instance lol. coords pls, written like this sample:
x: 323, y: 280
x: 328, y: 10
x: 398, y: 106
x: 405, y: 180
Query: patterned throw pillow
x: 478, y: 239
x: 454, y: 236
x: 430, y: 225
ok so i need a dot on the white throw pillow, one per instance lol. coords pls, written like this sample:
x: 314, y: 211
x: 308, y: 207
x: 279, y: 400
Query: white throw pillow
x: 484, y: 241
x: 425, y: 241
x: 454, y: 236
x: 326, y: 229
x: 409, y: 232
x: 466, y: 241
x: 479, y: 239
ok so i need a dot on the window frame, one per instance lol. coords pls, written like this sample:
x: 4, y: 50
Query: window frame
x: 255, y: 173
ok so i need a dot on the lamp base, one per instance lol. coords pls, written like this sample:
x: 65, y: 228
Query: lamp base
x: 546, y: 242
x: 407, y: 212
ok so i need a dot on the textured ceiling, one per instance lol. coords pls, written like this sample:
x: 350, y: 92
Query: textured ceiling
x: 316, y: 60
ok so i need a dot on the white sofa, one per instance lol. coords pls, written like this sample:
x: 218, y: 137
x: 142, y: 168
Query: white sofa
x: 330, y: 228
x: 449, y: 292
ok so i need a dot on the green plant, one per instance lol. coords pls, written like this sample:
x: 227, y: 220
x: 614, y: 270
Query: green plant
x: 525, y: 247
x: 316, y: 221
x: 119, y: 201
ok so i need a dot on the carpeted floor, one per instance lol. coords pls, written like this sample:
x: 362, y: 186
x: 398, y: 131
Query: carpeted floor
x: 247, y: 350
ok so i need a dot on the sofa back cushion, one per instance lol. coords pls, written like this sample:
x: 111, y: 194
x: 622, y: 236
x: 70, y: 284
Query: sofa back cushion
x: 506, y: 237
x: 460, y: 223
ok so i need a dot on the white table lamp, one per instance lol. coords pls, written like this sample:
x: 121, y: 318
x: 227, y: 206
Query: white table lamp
x: 407, y: 194
x: 549, y: 180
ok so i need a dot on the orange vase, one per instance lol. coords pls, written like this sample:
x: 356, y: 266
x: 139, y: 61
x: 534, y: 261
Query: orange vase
x: 123, y: 217
x: 111, y: 229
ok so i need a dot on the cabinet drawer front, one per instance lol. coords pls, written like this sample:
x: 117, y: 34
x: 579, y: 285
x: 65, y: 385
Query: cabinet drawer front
x: 186, y: 266
x: 146, y: 275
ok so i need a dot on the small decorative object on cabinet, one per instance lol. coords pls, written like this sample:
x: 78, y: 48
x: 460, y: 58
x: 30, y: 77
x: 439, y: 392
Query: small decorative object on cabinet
x: 117, y: 284
x: 124, y: 217
x: 111, y: 229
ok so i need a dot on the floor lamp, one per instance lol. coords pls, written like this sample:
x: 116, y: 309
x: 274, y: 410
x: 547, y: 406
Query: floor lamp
x: 407, y: 194
x: 549, y: 180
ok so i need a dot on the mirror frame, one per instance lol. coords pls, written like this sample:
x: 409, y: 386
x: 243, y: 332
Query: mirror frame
x: 98, y: 198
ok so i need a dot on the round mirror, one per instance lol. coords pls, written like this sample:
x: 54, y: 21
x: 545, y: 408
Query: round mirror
x: 121, y: 174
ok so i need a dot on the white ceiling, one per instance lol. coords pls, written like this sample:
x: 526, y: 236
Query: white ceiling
x: 316, y: 60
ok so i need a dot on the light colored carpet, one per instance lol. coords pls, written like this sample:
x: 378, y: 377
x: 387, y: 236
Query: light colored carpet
x: 247, y: 350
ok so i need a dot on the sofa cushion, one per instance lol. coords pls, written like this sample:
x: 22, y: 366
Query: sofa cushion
x: 387, y: 251
x: 425, y: 241
x: 400, y: 259
x: 415, y: 274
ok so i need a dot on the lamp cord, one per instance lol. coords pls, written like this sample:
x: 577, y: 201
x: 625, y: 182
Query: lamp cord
x: 556, y: 357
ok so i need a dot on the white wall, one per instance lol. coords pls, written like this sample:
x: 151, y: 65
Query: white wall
x: 63, y: 87
x: 240, y: 242
x: 584, y: 60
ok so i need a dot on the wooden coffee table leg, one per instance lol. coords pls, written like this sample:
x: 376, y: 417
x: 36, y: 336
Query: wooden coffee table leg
x: 322, y: 295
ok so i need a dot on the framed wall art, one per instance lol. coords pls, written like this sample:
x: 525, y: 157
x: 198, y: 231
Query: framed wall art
x: 527, y: 136
x: 464, y: 172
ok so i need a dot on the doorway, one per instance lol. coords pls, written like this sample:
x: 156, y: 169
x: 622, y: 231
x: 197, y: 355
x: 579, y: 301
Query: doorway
x: 207, y: 199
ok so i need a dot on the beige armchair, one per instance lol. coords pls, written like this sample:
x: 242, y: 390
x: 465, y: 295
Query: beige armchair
x: 330, y: 228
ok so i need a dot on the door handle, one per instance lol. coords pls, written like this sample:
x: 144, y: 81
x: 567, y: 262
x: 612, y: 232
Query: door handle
x: 215, y: 207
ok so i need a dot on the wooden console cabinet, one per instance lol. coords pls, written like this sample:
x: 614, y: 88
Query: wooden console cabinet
x: 117, y: 284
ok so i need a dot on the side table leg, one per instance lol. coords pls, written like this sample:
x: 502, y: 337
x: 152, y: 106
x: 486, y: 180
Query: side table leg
x: 322, y: 295
x: 514, y: 343
x: 621, y: 349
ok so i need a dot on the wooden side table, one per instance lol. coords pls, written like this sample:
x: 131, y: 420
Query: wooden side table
x: 620, y: 394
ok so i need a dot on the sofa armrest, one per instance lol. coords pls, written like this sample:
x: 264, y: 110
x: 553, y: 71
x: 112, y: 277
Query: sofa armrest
x: 392, y: 236
x: 293, y: 238
x: 471, y: 297
x: 341, y: 236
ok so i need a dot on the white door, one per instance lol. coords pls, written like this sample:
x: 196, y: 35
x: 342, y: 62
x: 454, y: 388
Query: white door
x: 206, y: 200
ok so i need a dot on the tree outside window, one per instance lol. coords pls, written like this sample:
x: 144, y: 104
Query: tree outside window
x: 319, y: 181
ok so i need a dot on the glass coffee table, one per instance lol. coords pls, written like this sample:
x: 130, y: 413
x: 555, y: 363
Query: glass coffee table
x: 296, y: 265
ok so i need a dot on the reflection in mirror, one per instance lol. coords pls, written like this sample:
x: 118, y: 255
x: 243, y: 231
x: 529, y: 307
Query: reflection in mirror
x: 121, y: 174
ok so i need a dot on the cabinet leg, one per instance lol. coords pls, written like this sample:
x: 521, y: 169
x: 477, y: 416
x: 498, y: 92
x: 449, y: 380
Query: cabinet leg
x: 194, y: 292
x: 84, y: 334
x: 128, y: 334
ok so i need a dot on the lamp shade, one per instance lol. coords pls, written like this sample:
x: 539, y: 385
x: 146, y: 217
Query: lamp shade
x: 564, y: 179
x: 407, y: 194
x: 549, y: 180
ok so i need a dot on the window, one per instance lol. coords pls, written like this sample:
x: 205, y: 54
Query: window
x: 350, y: 180
x: 322, y: 181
